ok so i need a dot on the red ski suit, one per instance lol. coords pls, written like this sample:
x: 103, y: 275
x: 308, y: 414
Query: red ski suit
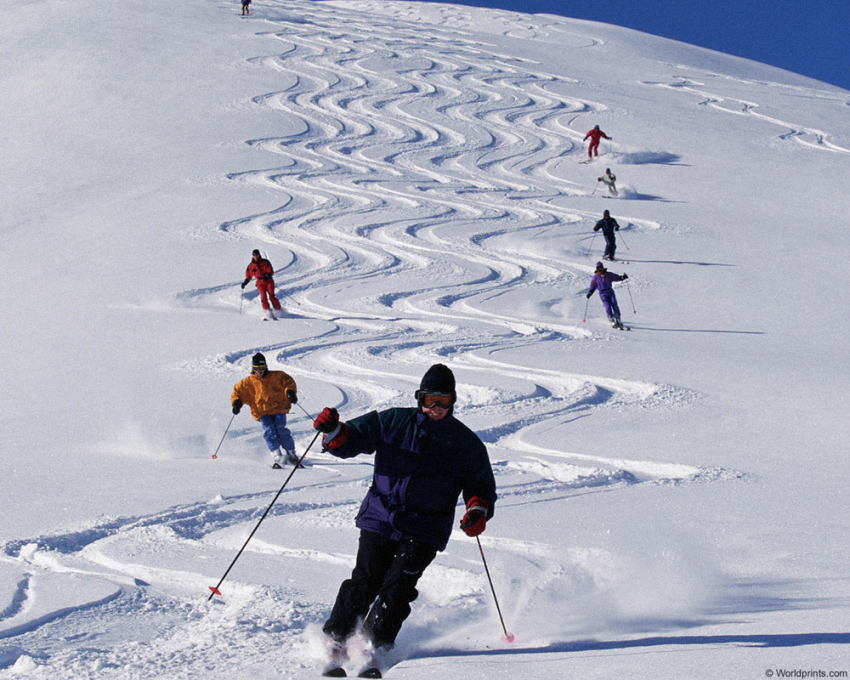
x: 262, y: 270
x: 595, y: 135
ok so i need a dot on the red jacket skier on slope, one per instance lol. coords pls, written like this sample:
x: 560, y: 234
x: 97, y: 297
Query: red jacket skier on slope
x: 262, y: 270
x: 595, y: 135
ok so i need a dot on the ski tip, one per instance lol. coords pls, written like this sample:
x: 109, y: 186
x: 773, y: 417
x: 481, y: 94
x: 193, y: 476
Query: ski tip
x: 508, y: 637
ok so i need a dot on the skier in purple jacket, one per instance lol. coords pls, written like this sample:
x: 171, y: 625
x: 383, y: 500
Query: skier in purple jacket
x: 425, y: 459
x: 603, y: 280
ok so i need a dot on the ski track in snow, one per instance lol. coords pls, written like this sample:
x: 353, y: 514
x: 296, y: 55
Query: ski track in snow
x: 433, y: 166
x: 706, y: 92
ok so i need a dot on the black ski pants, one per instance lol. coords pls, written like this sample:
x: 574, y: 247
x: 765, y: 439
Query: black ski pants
x: 384, y: 578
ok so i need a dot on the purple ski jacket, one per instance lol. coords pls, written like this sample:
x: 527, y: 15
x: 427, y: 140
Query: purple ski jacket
x: 604, y: 282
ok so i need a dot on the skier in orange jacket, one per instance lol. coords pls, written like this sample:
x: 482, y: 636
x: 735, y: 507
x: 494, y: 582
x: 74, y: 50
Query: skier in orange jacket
x: 269, y: 395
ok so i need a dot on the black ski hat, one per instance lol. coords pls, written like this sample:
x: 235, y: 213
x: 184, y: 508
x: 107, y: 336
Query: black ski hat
x: 256, y: 252
x: 258, y: 360
x: 438, y: 378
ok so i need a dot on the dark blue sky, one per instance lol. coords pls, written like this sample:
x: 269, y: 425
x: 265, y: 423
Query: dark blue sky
x: 809, y: 37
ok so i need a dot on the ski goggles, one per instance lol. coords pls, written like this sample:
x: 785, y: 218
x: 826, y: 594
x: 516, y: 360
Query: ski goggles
x: 432, y: 399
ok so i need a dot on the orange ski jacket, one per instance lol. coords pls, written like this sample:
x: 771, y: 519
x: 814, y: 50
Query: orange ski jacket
x: 265, y: 396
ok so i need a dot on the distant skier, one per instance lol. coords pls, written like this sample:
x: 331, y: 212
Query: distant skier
x: 603, y: 280
x: 595, y: 135
x: 608, y: 225
x: 609, y: 178
x: 245, y: 8
x: 424, y: 459
x: 261, y: 269
x: 269, y: 395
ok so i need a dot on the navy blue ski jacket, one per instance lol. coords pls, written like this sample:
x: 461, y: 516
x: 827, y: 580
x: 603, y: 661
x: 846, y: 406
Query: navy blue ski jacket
x: 421, y: 468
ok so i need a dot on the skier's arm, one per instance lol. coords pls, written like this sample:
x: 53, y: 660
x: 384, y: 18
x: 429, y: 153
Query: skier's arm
x: 346, y: 440
x: 479, y: 485
x: 236, y: 400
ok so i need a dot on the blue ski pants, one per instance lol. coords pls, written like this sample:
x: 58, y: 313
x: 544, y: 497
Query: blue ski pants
x: 276, y: 433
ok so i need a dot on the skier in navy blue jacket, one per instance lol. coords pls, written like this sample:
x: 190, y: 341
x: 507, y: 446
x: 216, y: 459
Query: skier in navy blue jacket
x: 608, y: 225
x: 424, y: 460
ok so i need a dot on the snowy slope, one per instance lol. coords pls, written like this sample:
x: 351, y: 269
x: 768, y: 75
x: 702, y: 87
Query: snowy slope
x: 673, y: 500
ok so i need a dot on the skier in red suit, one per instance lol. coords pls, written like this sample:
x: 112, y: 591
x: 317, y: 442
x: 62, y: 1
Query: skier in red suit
x: 262, y: 270
x: 595, y: 135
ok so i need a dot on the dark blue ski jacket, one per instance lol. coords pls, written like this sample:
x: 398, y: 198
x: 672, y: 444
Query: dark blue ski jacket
x: 421, y: 468
x: 608, y: 225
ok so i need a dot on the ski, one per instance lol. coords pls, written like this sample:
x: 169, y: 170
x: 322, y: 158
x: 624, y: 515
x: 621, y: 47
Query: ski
x: 370, y: 673
x: 278, y: 466
x: 335, y: 672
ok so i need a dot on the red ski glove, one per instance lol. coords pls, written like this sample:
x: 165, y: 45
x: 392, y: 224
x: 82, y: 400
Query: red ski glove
x: 475, y: 520
x: 335, y: 432
x: 327, y: 420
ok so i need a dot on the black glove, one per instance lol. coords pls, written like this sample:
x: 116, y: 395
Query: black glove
x: 245, y: 283
x: 624, y: 276
x: 293, y: 398
x: 237, y: 406
x: 267, y: 277
x: 598, y: 179
x: 589, y: 294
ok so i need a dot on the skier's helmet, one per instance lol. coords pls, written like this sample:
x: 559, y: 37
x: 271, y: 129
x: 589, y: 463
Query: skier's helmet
x: 595, y: 127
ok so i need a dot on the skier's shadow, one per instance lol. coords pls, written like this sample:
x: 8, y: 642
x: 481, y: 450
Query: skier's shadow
x: 696, y: 330
x: 767, y: 640
x: 698, y: 264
